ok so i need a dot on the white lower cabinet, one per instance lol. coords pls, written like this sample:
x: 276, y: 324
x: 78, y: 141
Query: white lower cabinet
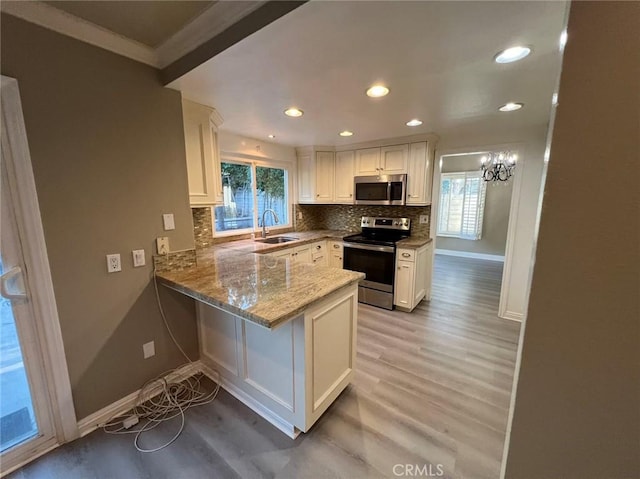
x: 413, y: 277
x: 299, y: 254
x: 315, y: 253
x: 335, y: 254
x: 289, y: 374
x: 319, y: 253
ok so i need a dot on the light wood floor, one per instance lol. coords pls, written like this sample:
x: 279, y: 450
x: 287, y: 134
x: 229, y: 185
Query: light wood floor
x: 432, y: 388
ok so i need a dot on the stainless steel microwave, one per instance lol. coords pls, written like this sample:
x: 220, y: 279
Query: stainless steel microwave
x: 380, y: 190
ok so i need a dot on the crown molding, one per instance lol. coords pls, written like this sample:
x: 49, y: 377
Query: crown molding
x: 213, y: 21
x: 54, y: 19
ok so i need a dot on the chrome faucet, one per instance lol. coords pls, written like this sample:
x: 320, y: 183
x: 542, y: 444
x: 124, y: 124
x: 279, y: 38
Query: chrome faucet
x: 264, y: 227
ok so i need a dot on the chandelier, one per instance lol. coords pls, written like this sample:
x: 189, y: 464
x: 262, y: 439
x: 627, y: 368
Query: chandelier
x: 498, y: 166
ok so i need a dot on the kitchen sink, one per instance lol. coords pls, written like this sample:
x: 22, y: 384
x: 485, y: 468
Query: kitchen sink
x: 277, y: 239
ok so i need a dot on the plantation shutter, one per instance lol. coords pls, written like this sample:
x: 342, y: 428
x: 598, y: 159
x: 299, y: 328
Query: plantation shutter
x: 462, y: 199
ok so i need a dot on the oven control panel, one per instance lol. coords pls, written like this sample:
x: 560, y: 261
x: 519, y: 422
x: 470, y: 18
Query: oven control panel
x: 403, y: 224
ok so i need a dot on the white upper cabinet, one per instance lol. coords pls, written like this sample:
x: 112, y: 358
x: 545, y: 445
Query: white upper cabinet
x: 345, y: 164
x: 306, y: 177
x: 393, y: 159
x: 388, y: 160
x: 326, y: 177
x: 367, y: 162
x: 325, y: 173
x: 419, y: 174
x: 323, y: 181
x: 202, y: 153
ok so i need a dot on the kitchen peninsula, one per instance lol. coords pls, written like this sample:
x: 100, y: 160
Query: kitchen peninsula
x: 280, y: 333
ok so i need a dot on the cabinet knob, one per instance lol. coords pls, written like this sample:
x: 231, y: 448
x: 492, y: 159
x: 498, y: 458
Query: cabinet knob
x: 318, y: 195
x: 318, y: 247
x: 350, y: 195
x: 399, y: 268
x: 406, y: 255
x: 337, y: 246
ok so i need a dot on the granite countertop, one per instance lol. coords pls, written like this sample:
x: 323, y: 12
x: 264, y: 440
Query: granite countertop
x: 258, y: 287
x: 414, y: 242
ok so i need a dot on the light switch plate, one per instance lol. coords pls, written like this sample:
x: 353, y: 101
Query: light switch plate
x: 169, y: 223
x: 138, y: 258
x: 162, y: 243
x: 424, y: 219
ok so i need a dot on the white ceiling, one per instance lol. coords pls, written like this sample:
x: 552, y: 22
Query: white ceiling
x: 436, y: 57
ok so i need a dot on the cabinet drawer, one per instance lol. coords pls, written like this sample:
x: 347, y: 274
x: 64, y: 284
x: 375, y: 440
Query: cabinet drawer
x: 406, y: 255
x: 319, y: 247
x: 335, y: 247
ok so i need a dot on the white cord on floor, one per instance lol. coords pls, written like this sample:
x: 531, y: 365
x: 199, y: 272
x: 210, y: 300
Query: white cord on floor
x: 174, y: 399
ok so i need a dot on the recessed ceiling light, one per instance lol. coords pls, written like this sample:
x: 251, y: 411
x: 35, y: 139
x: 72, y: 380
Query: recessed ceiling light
x: 294, y: 112
x: 512, y: 54
x: 272, y: 136
x: 346, y: 133
x: 511, y: 106
x: 414, y: 122
x: 376, y: 91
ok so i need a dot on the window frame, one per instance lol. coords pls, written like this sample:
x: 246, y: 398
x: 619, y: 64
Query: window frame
x: 253, y: 163
x: 466, y: 175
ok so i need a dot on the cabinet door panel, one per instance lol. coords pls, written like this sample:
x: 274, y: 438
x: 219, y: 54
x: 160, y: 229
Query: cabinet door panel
x: 403, y: 293
x: 420, y: 288
x: 325, y: 174
x: 303, y: 254
x: 218, y: 337
x: 269, y: 361
x: 345, y: 163
x: 393, y: 159
x: 367, y: 161
x: 335, y: 260
x: 332, y: 348
x: 417, y: 174
x: 202, y: 153
x: 306, y: 179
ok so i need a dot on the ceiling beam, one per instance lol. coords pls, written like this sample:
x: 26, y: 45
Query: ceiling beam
x: 259, y: 18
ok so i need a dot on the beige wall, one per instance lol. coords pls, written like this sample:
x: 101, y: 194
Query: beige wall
x: 496, y: 211
x: 530, y: 144
x: 107, y: 150
x: 577, y: 407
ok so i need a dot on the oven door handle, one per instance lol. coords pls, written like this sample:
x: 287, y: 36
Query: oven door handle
x: 368, y: 247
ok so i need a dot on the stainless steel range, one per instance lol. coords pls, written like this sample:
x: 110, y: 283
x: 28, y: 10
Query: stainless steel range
x: 373, y: 252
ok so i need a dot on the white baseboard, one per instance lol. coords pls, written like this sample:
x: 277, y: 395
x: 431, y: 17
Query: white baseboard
x: 95, y: 420
x: 468, y: 254
x: 511, y: 316
x: 252, y: 404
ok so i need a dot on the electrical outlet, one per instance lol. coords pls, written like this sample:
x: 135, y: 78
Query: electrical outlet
x: 138, y: 258
x: 169, y: 223
x: 299, y: 215
x: 162, y: 244
x: 424, y: 219
x: 113, y: 263
x: 149, y: 349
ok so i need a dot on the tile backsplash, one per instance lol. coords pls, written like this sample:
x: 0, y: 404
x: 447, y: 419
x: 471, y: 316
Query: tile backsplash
x: 176, y: 260
x: 203, y: 229
x: 347, y: 217
x: 316, y: 217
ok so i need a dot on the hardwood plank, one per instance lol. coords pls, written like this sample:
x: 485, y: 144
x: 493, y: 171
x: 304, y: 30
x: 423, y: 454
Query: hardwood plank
x: 431, y: 387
